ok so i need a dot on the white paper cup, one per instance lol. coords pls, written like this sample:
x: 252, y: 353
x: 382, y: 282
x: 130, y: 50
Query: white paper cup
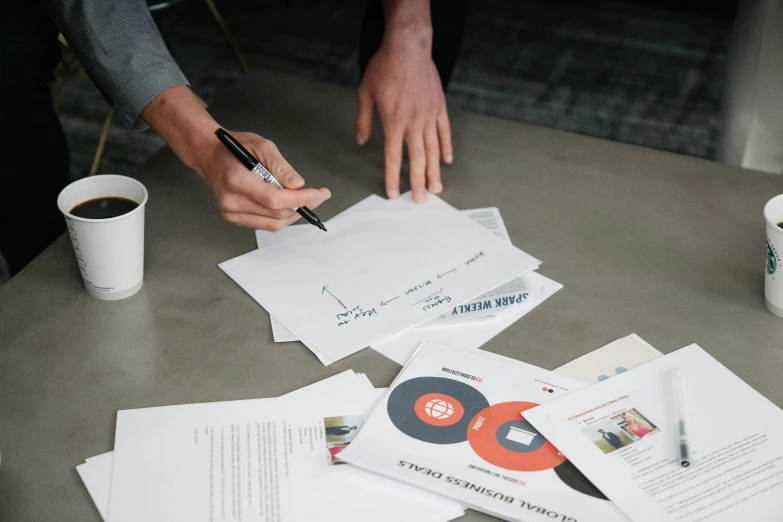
x: 773, y: 284
x: 110, y: 252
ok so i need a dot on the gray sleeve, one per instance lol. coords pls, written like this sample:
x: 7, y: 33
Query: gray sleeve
x: 120, y: 46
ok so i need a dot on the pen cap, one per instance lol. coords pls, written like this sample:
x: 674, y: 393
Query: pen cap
x: 678, y: 394
x: 236, y: 148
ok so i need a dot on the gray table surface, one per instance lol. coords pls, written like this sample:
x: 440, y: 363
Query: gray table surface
x: 667, y: 246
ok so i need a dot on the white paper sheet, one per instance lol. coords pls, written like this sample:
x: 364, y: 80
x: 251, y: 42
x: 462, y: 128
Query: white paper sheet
x: 265, y: 238
x: 470, y: 333
x: 499, y: 300
x: 736, y: 470
x: 96, y: 471
x: 469, y: 336
x: 96, y: 475
x: 504, y: 298
x: 280, y: 333
x: 257, y: 460
x: 452, y: 423
x: 376, y: 273
x: 612, y: 359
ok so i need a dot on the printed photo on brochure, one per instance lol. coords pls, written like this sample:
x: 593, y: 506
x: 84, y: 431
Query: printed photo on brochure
x: 340, y: 431
x: 620, y: 430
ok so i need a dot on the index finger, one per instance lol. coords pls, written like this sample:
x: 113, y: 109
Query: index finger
x: 393, y: 160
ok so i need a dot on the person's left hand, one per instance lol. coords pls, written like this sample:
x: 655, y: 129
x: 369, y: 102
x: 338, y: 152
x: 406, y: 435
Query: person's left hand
x: 402, y: 82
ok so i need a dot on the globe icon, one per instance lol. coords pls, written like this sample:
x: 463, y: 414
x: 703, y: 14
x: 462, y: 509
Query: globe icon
x: 439, y: 409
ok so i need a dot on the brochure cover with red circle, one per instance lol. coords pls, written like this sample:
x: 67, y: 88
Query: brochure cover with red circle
x: 453, y: 422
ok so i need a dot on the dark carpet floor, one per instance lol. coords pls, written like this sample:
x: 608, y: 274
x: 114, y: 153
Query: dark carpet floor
x: 625, y: 71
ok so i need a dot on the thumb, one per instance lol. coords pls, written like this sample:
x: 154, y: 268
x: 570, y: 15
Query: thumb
x: 363, y: 116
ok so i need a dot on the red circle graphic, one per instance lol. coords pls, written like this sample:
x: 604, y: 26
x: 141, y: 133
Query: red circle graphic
x: 482, y: 436
x: 438, y: 409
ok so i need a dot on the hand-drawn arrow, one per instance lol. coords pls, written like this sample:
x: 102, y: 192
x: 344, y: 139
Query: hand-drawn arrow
x: 444, y: 273
x: 326, y: 289
x: 384, y: 303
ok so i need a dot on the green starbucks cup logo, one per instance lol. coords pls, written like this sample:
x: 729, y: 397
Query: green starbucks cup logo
x: 772, y: 261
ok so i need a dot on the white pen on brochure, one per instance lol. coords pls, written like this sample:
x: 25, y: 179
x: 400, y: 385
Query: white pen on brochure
x: 678, y: 394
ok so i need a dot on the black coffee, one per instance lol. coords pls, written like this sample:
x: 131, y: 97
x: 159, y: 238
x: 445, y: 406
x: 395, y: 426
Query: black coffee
x: 104, y: 208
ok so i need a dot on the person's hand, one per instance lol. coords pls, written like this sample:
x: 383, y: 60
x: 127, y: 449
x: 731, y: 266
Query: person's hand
x: 402, y: 82
x: 244, y: 198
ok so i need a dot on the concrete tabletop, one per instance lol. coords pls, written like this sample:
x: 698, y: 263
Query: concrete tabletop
x: 667, y: 246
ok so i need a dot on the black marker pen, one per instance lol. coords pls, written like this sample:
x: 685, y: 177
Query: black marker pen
x: 254, y: 165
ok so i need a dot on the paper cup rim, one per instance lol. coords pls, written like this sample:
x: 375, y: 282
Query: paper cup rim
x: 67, y: 213
x: 767, y: 206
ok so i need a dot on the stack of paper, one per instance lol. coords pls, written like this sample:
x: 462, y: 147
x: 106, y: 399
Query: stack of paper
x: 385, y: 267
x: 453, y: 423
x: 264, y: 460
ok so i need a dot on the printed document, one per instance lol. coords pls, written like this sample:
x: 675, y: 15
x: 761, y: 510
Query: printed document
x: 622, y: 434
x: 264, y: 460
x: 612, y: 359
x: 452, y: 423
x: 469, y: 335
x: 96, y: 471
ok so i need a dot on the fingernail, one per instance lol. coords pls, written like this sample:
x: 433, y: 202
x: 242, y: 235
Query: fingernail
x: 449, y: 159
x: 436, y: 187
x: 293, y: 178
x: 316, y: 199
x: 393, y: 193
x: 359, y: 138
x: 328, y: 194
x: 420, y: 196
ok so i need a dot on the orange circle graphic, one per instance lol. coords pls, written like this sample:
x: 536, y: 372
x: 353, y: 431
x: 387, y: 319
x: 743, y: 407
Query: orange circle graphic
x: 438, y: 409
x: 482, y: 436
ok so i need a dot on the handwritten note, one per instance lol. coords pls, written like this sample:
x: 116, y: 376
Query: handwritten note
x: 357, y: 312
x: 415, y: 262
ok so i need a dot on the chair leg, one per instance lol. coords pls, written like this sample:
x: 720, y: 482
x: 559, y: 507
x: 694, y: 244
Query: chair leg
x: 102, y: 141
x: 228, y: 36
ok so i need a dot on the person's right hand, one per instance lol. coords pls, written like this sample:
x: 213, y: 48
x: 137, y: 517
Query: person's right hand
x: 244, y: 198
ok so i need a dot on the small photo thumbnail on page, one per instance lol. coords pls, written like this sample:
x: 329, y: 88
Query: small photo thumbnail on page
x: 620, y: 430
x: 340, y: 431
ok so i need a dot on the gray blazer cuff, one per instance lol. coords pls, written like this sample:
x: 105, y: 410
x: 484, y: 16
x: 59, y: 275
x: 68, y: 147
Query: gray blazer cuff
x: 131, y: 99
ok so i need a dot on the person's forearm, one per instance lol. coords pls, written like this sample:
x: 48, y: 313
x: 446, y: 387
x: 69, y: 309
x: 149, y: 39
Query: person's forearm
x: 183, y: 123
x: 408, y: 22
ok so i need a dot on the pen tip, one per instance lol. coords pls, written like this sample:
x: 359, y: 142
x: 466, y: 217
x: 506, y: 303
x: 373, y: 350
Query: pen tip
x: 322, y: 227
